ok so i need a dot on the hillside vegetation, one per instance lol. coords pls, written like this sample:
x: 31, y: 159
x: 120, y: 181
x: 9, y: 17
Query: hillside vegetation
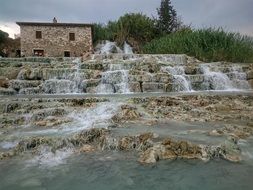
x: 166, y: 34
x: 204, y: 44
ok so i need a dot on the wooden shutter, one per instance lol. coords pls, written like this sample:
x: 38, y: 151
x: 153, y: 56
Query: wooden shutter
x: 71, y: 36
x: 38, y: 34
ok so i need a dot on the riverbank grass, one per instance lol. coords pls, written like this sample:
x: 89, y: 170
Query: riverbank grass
x: 205, y: 44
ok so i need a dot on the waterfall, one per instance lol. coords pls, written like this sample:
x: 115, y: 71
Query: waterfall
x: 56, y: 86
x: 214, y: 80
x: 117, y: 73
x: 111, y: 47
x: 127, y: 48
x: 240, y: 78
x: 180, y: 83
x: 65, y: 82
x: 77, y: 77
x: 115, y: 80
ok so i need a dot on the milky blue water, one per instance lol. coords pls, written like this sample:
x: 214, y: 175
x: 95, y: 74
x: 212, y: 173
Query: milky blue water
x: 111, y: 170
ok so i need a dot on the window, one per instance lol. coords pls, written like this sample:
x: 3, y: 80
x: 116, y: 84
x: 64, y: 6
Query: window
x: 38, y: 34
x: 71, y: 36
x: 38, y: 52
x: 66, y: 53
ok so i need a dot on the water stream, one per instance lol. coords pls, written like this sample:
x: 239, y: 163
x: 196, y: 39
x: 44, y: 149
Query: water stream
x: 51, y: 106
x: 65, y: 168
x: 235, y: 79
x: 108, y: 47
x: 180, y: 83
x: 113, y: 171
x: 109, y: 73
x: 66, y: 82
x: 115, y: 80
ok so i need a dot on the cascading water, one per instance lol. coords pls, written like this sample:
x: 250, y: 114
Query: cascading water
x: 240, y: 78
x: 77, y: 77
x: 83, y: 119
x: 114, y: 81
x: 111, y: 47
x: 114, y: 73
x: 127, y: 48
x: 216, y: 80
x: 92, y: 117
x: 65, y: 82
x: 180, y: 83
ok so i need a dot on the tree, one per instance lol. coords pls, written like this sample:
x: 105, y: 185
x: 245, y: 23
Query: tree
x: 3, y: 36
x: 167, y: 21
x: 101, y: 32
x: 135, y: 26
x: 3, y: 41
x: 8, y: 46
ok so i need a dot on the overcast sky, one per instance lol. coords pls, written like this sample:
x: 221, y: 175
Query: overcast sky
x: 233, y: 15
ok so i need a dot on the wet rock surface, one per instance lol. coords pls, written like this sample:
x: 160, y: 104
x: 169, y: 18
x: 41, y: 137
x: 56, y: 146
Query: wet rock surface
x: 120, y: 73
x: 41, y: 112
x: 201, y: 108
x: 126, y: 113
x: 126, y: 126
x: 206, y: 125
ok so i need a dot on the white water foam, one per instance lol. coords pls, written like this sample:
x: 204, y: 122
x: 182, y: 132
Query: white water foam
x: 239, y: 77
x: 92, y: 117
x: 127, y: 48
x: 55, y: 86
x: 214, y: 80
x: 47, y: 158
x: 77, y: 77
x: 65, y: 81
x: 97, y: 116
x: 180, y: 83
x: 111, y: 47
x: 114, y: 81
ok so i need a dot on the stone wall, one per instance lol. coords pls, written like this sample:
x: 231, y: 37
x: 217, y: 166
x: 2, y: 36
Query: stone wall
x: 55, y: 40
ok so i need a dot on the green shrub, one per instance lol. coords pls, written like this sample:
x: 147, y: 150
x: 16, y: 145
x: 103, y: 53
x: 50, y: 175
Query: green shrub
x: 205, y: 44
x: 3, y: 36
x: 135, y: 26
x: 102, y: 32
x: 130, y: 27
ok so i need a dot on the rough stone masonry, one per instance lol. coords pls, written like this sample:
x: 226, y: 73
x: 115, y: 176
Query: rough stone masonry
x: 55, y: 39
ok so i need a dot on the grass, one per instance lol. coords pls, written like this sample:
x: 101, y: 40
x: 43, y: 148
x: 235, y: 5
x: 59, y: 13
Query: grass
x: 205, y: 44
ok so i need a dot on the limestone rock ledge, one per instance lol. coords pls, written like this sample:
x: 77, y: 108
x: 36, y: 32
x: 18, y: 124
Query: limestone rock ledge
x: 150, y: 148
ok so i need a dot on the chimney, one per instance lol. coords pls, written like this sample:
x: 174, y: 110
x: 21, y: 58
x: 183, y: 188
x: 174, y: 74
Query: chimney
x: 54, y: 20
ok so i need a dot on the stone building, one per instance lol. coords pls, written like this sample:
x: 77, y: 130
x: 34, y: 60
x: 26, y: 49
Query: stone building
x: 55, y: 39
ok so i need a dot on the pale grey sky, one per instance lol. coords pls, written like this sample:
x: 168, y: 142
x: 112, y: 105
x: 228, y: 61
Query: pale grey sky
x: 233, y: 15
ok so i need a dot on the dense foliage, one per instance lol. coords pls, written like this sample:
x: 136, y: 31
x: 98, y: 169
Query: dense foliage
x: 101, y: 32
x: 8, y: 46
x: 3, y: 40
x: 205, y: 44
x: 138, y: 28
x: 3, y: 36
x: 134, y: 28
